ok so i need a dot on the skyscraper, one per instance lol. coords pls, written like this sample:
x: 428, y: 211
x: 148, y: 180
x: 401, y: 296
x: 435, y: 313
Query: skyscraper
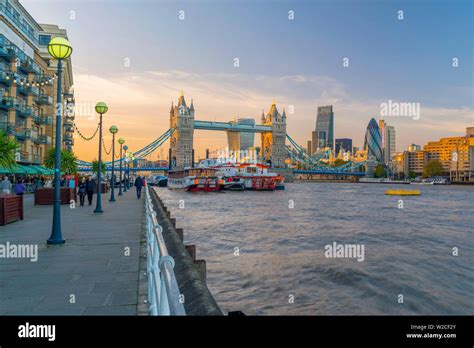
x: 388, y: 141
x: 323, y: 136
x: 390, y: 144
x: 373, y: 142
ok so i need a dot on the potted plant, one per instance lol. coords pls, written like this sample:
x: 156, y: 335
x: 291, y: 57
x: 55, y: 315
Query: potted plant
x: 11, y: 206
x: 45, y: 196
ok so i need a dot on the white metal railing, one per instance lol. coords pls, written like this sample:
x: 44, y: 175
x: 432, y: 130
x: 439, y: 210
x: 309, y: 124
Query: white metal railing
x: 163, y: 291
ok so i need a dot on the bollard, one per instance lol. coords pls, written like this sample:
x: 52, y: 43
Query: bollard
x: 192, y: 251
x: 180, y: 233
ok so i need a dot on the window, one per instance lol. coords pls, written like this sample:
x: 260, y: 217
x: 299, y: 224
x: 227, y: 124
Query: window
x: 44, y: 40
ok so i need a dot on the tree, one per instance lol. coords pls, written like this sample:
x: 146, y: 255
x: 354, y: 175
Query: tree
x: 68, y: 161
x: 411, y: 174
x: 8, y: 147
x: 401, y: 175
x: 380, y: 172
x: 433, y: 168
x: 95, y: 167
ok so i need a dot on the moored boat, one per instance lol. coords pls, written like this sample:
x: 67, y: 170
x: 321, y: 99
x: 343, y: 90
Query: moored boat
x: 193, y: 179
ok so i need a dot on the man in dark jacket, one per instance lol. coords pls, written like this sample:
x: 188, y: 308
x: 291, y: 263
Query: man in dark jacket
x: 90, y: 185
x: 139, y: 185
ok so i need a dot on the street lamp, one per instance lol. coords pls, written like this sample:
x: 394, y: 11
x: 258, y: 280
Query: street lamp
x: 121, y: 141
x: 113, y: 130
x: 59, y: 48
x: 101, y: 108
x: 125, y: 183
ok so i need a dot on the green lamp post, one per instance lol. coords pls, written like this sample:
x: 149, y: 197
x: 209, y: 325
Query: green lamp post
x: 59, y: 48
x: 125, y: 182
x: 113, y: 130
x: 101, y: 108
x: 121, y: 141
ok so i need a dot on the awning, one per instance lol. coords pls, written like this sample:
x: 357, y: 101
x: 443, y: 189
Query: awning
x: 28, y: 170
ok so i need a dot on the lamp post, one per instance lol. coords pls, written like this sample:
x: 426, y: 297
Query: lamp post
x: 113, y: 130
x: 125, y: 184
x: 101, y: 108
x: 59, y: 48
x: 121, y: 141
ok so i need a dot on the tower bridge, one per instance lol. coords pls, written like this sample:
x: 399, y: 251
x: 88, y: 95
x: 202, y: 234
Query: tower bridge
x: 182, y: 119
x: 273, y: 136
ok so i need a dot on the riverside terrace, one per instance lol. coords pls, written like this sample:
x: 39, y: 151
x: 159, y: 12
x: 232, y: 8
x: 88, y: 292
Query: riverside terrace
x: 95, y: 273
x: 108, y: 265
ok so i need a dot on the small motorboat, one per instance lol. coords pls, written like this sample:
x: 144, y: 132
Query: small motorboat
x: 403, y: 192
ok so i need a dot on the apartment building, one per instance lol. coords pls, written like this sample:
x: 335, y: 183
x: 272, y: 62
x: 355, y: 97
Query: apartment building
x: 28, y: 84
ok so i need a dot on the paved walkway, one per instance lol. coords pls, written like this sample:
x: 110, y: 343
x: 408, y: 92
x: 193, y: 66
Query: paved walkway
x: 93, y: 268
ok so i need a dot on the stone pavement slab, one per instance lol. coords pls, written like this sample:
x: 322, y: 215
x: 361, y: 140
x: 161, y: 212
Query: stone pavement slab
x: 95, y: 273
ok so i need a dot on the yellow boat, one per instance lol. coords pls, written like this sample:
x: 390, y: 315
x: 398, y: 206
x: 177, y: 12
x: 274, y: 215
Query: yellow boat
x: 403, y: 192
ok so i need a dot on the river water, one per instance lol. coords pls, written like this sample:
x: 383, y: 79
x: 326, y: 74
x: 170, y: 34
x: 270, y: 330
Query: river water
x: 265, y: 251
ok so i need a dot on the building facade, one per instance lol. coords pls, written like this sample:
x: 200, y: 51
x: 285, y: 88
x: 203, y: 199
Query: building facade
x: 456, y: 154
x: 344, y: 144
x: 27, y: 84
x: 323, y: 136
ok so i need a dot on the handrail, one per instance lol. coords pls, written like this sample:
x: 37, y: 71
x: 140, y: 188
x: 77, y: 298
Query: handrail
x: 163, y: 290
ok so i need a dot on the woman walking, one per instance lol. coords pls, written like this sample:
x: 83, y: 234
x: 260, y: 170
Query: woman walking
x: 82, y: 191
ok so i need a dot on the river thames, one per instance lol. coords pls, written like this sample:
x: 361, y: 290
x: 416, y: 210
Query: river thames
x: 265, y: 251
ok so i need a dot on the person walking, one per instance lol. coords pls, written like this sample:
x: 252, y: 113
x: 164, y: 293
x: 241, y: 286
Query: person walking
x: 90, y: 186
x: 82, y: 191
x: 19, y: 188
x: 5, y: 186
x: 139, y: 185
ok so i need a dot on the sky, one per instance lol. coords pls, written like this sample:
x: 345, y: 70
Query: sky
x: 138, y: 55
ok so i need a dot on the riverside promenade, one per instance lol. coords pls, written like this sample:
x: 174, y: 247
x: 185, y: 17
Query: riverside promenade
x: 95, y: 273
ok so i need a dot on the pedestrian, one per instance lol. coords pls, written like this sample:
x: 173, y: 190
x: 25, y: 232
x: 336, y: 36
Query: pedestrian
x: 6, y: 186
x: 82, y: 191
x: 90, y: 186
x: 139, y: 185
x: 19, y: 188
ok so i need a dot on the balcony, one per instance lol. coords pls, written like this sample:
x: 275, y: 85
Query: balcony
x: 8, y: 52
x: 44, y: 139
x: 17, y: 21
x: 28, y: 65
x: 7, y: 77
x: 68, y: 123
x: 44, y: 99
x: 48, y: 120
x: 28, y: 90
x: 7, y: 103
x: 68, y: 140
x: 25, y: 110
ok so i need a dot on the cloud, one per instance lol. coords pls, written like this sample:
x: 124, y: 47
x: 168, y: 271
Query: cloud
x: 139, y: 104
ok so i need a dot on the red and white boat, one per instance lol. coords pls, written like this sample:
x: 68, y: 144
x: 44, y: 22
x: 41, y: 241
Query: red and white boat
x: 256, y: 177
x: 244, y: 176
x: 193, y: 179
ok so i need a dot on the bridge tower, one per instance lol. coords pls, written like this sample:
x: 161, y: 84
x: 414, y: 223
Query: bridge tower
x: 273, y: 143
x: 181, y: 141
